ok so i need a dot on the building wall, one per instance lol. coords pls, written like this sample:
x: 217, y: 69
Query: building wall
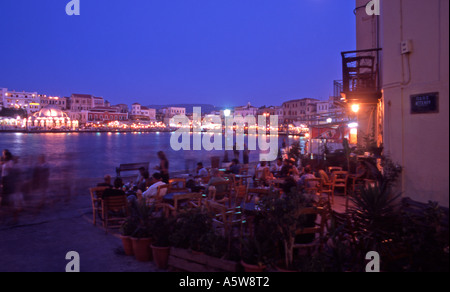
x: 302, y: 110
x: 61, y: 102
x: 30, y: 101
x: 418, y: 142
x: 78, y: 103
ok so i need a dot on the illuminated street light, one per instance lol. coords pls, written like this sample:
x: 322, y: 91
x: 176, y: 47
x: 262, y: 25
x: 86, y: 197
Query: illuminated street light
x: 227, y: 113
x: 355, y: 108
x: 329, y: 120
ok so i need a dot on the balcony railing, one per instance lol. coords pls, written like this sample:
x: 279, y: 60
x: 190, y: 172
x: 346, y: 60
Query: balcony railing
x: 360, y: 75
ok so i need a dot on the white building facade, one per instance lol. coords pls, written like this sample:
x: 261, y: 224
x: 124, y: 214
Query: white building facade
x: 29, y: 101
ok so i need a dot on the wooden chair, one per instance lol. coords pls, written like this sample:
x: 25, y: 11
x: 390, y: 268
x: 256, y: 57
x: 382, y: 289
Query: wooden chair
x: 161, y: 191
x: 225, y: 217
x: 114, y: 210
x: 340, y: 181
x: 178, y: 185
x: 332, y: 169
x: 221, y: 191
x: 183, y: 201
x: 96, y: 199
x: 315, y: 186
x: 327, y: 189
x: 317, y: 230
x: 241, y: 195
x: 253, y: 193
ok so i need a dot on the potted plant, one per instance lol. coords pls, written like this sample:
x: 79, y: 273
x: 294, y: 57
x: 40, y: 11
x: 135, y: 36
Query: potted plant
x: 255, y: 254
x: 161, y: 230
x: 141, y: 238
x: 284, y: 214
x: 189, y: 230
x: 127, y: 229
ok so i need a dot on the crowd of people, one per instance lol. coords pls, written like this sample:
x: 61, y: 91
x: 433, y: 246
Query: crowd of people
x: 23, y: 183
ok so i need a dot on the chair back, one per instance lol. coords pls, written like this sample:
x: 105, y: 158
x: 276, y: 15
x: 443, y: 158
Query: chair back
x: 332, y: 169
x: 253, y: 193
x: 177, y: 185
x: 318, y: 228
x: 97, y: 193
x: 221, y: 189
x: 115, y: 203
x: 313, y: 185
x: 340, y: 178
x: 188, y: 200
x: 243, y: 170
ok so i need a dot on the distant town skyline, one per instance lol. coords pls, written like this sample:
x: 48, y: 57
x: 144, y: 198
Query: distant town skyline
x: 224, y: 53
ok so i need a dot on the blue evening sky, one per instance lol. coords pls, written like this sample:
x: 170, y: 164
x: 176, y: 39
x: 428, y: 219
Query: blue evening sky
x: 221, y: 52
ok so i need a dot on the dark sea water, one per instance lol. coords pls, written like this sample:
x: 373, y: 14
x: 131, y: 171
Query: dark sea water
x: 79, y: 156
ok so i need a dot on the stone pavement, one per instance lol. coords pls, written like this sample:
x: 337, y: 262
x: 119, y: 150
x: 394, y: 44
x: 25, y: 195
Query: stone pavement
x: 40, y: 242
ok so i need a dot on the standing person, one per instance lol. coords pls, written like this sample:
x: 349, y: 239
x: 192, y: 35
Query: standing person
x: 7, y: 177
x: 163, y: 166
x: 236, y: 151
x: 246, y: 155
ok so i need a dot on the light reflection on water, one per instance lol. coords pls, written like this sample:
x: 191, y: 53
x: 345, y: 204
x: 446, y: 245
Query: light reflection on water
x: 92, y: 155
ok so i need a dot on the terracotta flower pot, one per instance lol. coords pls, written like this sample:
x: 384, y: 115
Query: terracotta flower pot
x: 142, y: 250
x: 127, y: 245
x: 161, y: 256
x: 252, y: 268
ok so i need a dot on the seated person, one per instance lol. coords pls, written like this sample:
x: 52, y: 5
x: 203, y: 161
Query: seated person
x: 145, y: 181
x: 155, y: 182
x: 285, y: 169
x: 260, y: 169
x: 235, y: 167
x: 276, y: 168
x: 324, y: 176
x: 215, y: 178
x: 201, y: 172
x: 267, y: 177
x: 362, y: 172
x: 140, y: 177
x: 106, y: 182
x: 307, y: 175
x: 117, y: 190
x: 293, y: 169
x: 289, y: 185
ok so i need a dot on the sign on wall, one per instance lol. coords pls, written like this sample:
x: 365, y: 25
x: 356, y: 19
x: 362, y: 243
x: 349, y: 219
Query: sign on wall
x: 425, y: 103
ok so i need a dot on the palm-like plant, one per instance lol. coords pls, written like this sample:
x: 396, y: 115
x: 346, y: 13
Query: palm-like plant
x: 374, y: 218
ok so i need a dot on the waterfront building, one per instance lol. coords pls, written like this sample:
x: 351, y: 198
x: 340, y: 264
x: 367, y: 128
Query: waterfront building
x: 247, y: 110
x: 299, y: 111
x: 51, y: 117
x: 122, y: 108
x: 29, y: 101
x: 398, y: 83
x: 105, y: 115
x: 166, y: 114
x: 84, y: 102
x: 80, y: 116
x: 60, y: 102
x: 139, y: 112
